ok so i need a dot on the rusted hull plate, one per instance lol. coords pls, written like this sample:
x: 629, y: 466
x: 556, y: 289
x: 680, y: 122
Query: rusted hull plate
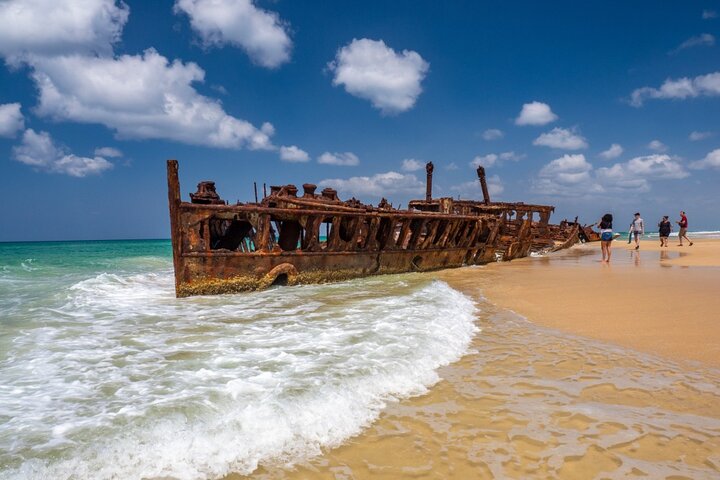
x: 231, y: 273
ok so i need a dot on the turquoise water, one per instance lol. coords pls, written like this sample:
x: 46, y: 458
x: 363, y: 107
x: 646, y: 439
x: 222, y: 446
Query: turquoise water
x: 105, y: 374
x: 34, y: 275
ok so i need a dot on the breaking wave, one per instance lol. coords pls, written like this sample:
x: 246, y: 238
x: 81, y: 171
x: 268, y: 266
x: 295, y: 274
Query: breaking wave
x: 118, y: 379
x: 701, y: 234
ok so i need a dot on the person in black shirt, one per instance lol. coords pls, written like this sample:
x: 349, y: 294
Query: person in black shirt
x: 664, y: 229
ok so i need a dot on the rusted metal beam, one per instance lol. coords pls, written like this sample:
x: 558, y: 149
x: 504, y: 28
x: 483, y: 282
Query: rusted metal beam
x: 429, y: 167
x: 174, y: 204
x: 483, y: 184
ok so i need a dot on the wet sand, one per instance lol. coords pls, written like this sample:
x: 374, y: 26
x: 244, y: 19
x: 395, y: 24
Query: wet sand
x: 657, y: 300
x: 610, y: 372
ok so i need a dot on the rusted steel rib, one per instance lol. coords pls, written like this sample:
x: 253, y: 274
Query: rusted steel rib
x: 524, y: 228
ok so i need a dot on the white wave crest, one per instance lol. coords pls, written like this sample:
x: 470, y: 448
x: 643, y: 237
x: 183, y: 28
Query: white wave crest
x: 125, y: 381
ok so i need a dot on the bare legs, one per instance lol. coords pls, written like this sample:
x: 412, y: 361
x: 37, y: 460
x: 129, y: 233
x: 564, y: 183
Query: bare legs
x: 683, y: 234
x: 606, y: 251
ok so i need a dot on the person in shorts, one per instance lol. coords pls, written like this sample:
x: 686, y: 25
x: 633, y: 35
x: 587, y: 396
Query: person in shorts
x: 664, y: 229
x: 683, y: 223
x: 637, y: 228
x: 606, y: 236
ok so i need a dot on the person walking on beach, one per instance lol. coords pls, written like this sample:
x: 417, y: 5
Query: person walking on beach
x: 664, y: 229
x: 683, y: 223
x: 606, y: 236
x: 637, y: 227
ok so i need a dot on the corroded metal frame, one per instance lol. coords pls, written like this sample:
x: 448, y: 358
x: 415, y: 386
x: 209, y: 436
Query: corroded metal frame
x: 362, y: 240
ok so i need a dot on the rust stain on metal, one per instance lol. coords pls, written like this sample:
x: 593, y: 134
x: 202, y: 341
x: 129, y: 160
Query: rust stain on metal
x: 288, y: 239
x: 524, y: 228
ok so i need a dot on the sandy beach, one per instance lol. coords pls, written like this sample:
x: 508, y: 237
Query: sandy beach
x: 580, y: 370
x: 657, y: 300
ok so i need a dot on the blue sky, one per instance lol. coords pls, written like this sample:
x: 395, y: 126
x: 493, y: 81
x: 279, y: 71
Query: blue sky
x: 589, y: 106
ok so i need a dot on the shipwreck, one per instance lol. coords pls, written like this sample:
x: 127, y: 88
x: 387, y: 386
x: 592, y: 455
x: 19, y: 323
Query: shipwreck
x: 289, y: 238
x: 524, y: 228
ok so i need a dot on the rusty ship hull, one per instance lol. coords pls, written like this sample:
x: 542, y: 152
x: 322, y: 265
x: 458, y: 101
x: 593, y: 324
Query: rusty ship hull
x: 220, y: 248
x: 523, y: 228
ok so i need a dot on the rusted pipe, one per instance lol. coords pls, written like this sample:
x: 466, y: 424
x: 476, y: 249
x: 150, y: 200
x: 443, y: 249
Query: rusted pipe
x: 428, y: 190
x: 483, y: 184
x: 175, y: 227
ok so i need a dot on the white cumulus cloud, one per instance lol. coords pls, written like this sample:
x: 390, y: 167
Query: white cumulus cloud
x: 656, y: 166
x: 371, y: 70
x: 637, y: 172
x: 141, y: 96
x: 711, y: 160
x: 377, y: 185
x: 657, y: 146
x: 614, y: 151
x: 512, y: 156
x: 535, y: 113
x: 708, y: 14
x: 293, y: 154
x: 412, y: 165
x: 567, y: 169
x: 680, y: 89
x: 347, y: 159
x: 68, y: 47
x: 561, y: 138
x: 569, y: 175
x: 574, y: 176
x: 260, y: 33
x: 108, y: 152
x: 492, y: 134
x: 39, y: 151
x: 472, y: 190
x: 491, y: 159
x: 618, y: 178
x: 54, y: 27
x: 485, y: 160
x: 11, y: 119
x: 695, y: 136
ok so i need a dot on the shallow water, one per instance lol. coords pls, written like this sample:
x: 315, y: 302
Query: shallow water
x: 533, y: 403
x: 104, y: 374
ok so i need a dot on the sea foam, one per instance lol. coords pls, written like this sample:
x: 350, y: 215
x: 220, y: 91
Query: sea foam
x: 122, y: 380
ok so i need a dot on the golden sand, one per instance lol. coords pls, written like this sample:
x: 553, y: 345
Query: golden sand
x: 587, y: 387
x: 657, y: 300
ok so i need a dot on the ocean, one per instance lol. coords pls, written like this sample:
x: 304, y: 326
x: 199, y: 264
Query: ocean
x: 104, y: 374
